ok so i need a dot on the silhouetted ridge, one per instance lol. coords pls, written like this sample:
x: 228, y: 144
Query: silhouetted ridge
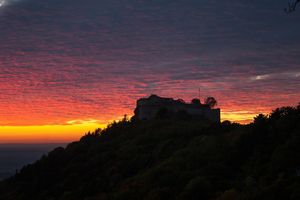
x: 176, y: 158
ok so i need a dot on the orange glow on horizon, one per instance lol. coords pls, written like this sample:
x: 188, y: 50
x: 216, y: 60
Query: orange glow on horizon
x: 75, y: 129
x: 242, y: 117
x: 47, y: 133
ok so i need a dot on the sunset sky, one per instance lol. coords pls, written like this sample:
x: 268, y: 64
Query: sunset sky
x: 69, y: 66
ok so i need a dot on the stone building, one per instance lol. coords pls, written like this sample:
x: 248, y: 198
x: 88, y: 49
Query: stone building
x: 148, y: 108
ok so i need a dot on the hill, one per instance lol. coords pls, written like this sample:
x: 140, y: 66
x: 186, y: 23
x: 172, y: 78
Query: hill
x: 176, y: 158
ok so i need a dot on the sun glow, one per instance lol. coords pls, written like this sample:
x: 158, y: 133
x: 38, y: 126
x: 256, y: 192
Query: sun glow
x: 242, y: 117
x: 47, y: 133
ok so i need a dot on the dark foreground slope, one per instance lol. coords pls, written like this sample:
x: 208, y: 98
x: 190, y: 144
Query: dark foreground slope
x: 171, y: 159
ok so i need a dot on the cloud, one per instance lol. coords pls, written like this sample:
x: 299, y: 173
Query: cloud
x: 260, y: 77
x: 63, y: 60
x: 2, y: 3
x: 7, y: 2
x: 283, y: 76
x: 80, y: 121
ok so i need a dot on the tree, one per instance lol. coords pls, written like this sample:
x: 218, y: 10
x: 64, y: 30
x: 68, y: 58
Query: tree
x: 291, y: 6
x: 260, y: 119
x: 181, y: 101
x: 211, y: 102
x: 196, y: 101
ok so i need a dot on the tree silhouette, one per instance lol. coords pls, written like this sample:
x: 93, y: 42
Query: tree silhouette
x: 211, y: 102
x: 181, y: 101
x: 196, y: 101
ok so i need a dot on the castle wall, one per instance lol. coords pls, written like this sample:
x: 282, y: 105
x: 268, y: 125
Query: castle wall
x: 147, y: 108
x: 147, y: 112
x: 150, y: 111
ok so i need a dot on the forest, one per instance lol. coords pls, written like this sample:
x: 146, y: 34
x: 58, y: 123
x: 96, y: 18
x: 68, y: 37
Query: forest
x: 171, y: 158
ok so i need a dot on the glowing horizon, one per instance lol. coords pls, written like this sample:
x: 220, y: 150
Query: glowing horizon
x: 46, y: 133
x: 73, y: 130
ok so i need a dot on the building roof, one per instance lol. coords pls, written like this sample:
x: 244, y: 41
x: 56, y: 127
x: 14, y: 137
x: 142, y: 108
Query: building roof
x: 155, y: 100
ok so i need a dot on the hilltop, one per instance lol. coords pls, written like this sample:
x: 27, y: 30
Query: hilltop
x: 175, y: 158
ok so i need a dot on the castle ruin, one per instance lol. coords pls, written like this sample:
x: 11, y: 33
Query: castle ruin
x: 148, y: 108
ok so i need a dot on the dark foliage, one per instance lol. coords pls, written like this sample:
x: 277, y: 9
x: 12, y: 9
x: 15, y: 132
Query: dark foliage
x: 196, y: 101
x: 211, y: 102
x: 175, y: 158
